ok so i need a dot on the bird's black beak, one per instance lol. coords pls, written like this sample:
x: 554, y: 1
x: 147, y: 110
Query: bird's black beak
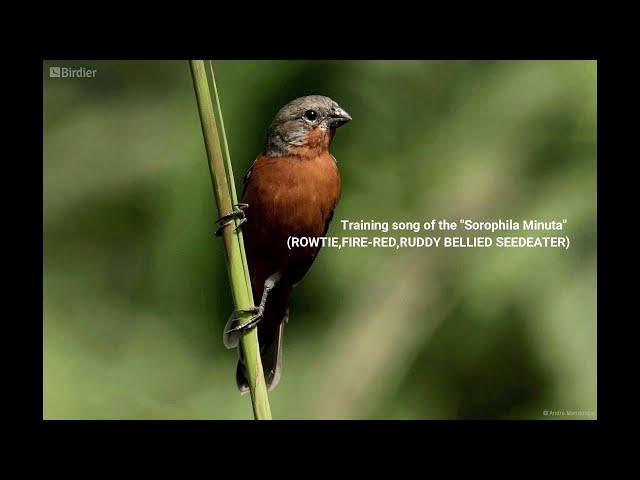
x: 338, y: 117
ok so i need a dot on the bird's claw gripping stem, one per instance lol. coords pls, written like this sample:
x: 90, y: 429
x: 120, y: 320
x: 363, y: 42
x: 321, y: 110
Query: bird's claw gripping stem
x: 227, y: 219
x: 234, y: 327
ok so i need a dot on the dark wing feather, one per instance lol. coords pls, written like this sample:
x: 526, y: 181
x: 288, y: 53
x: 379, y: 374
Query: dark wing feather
x: 326, y: 224
x: 247, y: 175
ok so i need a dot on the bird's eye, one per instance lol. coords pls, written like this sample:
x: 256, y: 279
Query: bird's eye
x: 311, y: 115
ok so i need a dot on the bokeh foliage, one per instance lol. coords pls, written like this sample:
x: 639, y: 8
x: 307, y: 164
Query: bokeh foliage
x: 135, y: 288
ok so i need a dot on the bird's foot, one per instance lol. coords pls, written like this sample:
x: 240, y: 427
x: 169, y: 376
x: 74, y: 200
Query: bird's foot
x: 234, y: 327
x: 227, y: 219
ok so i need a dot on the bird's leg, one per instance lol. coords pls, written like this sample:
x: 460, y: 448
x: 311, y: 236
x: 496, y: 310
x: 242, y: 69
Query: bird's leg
x: 234, y: 327
x: 238, y: 212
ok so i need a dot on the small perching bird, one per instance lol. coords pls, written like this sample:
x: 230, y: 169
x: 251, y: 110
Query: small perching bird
x: 291, y: 189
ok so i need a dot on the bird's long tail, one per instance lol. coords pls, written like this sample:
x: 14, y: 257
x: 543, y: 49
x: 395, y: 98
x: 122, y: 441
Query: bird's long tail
x: 270, y: 331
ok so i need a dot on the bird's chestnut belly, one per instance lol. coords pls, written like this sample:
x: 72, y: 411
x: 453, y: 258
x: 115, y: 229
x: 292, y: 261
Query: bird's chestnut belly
x: 288, y: 197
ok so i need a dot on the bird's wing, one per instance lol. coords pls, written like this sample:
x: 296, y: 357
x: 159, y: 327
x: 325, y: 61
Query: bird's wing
x: 326, y: 224
x: 248, y: 174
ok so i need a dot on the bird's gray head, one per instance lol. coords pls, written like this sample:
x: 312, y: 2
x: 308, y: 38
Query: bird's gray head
x: 304, y: 123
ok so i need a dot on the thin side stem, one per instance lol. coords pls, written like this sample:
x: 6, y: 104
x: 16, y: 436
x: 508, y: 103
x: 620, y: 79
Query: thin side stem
x: 232, y: 238
x: 229, y: 168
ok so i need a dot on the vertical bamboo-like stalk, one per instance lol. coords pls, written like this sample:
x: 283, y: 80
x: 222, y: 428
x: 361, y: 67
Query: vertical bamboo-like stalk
x: 233, y: 244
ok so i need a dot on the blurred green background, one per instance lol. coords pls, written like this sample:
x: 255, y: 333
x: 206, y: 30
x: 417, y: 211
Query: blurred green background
x: 135, y: 286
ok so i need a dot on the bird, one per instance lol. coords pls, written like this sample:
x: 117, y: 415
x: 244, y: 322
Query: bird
x: 291, y: 189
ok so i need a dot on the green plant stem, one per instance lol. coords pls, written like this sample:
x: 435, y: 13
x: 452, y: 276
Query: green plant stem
x: 232, y: 238
x: 229, y: 168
